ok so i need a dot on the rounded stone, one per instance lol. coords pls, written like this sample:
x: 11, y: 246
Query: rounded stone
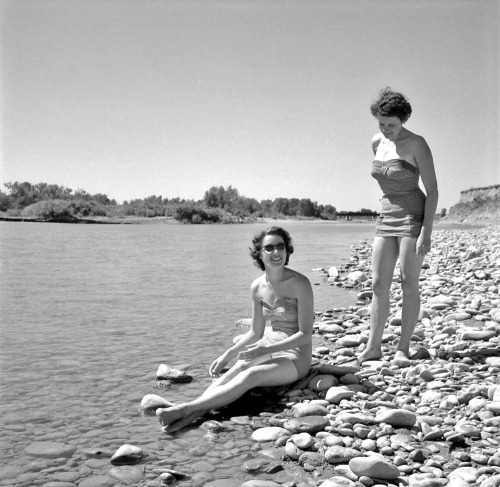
x: 311, y: 458
x: 306, y: 424
x: 494, y: 407
x: 369, y: 445
x: 270, y: 433
x: 357, y: 277
x: 478, y: 335
x: 127, y: 454
x: 128, y: 474
x: 338, y: 481
x: 400, y: 418
x: 335, y: 394
x: 374, y: 467
x: 308, y: 409
x: 49, y: 449
x: 340, y: 455
x: 97, y: 481
x: 292, y: 451
x: 467, y: 429
x: 151, y: 402
x: 303, y: 440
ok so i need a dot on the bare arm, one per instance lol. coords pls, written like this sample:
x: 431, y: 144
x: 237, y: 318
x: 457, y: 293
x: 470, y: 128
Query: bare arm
x: 425, y: 163
x: 376, y: 141
x: 255, y: 333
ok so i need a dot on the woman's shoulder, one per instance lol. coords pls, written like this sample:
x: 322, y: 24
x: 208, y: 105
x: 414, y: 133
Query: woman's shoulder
x: 298, y: 280
x: 418, y: 145
x: 293, y: 274
x: 415, y: 140
x: 257, y: 284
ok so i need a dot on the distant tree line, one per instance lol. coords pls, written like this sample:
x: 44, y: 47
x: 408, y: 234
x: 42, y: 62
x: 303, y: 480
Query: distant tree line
x: 219, y: 204
x: 230, y: 200
x: 21, y: 195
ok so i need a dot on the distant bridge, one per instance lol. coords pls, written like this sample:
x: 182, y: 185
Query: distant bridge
x: 349, y: 215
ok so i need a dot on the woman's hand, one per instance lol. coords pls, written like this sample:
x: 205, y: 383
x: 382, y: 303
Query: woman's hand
x: 217, y: 365
x: 423, y: 245
x: 252, y: 351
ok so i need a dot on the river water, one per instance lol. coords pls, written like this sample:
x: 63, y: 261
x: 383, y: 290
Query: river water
x: 89, y: 312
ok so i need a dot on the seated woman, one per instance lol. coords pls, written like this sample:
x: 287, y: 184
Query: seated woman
x: 281, y: 356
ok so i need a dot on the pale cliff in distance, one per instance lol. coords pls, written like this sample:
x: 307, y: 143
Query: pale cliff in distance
x: 477, y: 205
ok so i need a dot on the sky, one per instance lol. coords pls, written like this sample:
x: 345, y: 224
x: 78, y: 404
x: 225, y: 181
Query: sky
x: 133, y: 98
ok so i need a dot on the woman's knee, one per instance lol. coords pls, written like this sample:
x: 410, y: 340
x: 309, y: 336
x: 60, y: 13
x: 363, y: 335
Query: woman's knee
x: 381, y: 286
x: 410, y: 284
x: 250, y: 376
x: 239, y: 367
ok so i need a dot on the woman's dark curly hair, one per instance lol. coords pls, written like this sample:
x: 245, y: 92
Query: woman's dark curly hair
x: 391, y: 104
x: 257, y: 241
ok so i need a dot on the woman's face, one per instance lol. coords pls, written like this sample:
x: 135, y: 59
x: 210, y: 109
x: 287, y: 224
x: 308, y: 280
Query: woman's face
x: 273, y: 251
x: 390, y: 127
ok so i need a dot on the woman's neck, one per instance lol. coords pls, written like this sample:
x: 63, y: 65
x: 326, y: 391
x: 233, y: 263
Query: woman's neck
x: 274, y: 275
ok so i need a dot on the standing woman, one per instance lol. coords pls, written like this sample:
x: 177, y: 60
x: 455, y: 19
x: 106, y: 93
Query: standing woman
x: 405, y: 223
x: 281, y: 356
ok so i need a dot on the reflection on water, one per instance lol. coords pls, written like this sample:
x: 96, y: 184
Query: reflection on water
x: 89, y: 312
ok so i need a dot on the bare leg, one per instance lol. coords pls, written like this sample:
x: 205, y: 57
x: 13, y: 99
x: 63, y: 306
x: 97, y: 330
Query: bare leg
x: 236, y: 369
x: 411, y: 265
x: 276, y: 372
x: 384, y: 257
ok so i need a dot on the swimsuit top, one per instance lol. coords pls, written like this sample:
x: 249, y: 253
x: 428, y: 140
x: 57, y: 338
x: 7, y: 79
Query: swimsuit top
x: 396, y: 177
x: 283, y: 314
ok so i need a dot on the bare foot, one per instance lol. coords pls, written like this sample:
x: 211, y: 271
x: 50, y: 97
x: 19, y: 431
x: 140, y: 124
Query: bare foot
x: 181, y: 423
x: 170, y: 415
x: 369, y: 355
x: 401, y: 360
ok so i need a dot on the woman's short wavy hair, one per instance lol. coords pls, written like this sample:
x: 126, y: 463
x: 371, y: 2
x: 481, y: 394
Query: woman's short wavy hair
x: 257, y: 245
x: 391, y: 104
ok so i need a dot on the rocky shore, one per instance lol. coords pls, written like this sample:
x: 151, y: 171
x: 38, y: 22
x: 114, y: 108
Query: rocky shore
x: 433, y: 421
x: 430, y: 422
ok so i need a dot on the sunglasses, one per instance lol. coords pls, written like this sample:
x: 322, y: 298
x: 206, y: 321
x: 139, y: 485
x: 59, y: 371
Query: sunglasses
x: 271, y: 248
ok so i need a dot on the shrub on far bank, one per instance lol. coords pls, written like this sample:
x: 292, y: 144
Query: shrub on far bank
x: 192, y: 214
x: 86, y: 208
x: 50, y: 210
x: 63, y: 210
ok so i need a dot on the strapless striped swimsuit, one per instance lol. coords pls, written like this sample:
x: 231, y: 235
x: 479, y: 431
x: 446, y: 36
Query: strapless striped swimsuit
x: 283, y: 316
x: 402, y: 202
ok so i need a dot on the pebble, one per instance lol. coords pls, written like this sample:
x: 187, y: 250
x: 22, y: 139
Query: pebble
x: 97, y: 481
x: 306, y: 424
x: 127, y: 454
x: 304, y: 441
x: 340, y: 455
x: 270, y: 433
x: 374, y: 466
x: 128, y: 474
x: 401, y: 418
x: 166, y: 373
x: 49, y: 449
x: 493, y: 481
x: 151, y: 402
x: 335, y: 394
x: 338, y: 481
